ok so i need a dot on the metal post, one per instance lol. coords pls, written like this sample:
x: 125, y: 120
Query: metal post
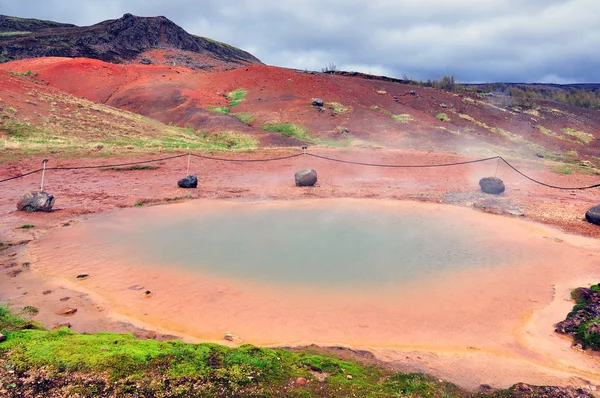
x: 44, y: 161
x: 187, y: 173
x: 497, y: 165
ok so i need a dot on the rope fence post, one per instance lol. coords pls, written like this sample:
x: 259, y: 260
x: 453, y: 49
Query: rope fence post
x: 44, y: 161
x: 187, y: 172
x: 497, y: 166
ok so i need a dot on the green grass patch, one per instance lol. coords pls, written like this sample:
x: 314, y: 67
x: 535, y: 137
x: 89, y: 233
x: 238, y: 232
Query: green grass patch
x: 31, y: 310
x: 337, y: 108
x: 442, y: 117
x: 289, y: 129
x: 139, y: 203
x: 299, y: 132
x: 380, y: 109
x: 29, y: 73
x: 219, y: 109
x: 583, y: 138
x: 244, y: 117
x: 9, y: 34
x: 236, y: 97
x: 26, y: 226
x: 404, y: 118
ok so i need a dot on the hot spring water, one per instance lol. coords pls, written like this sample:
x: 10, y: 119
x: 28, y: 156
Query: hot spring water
x: 334, y: 243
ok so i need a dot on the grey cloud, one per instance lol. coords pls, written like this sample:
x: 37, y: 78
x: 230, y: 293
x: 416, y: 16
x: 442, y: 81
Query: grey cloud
x: 502, y: 40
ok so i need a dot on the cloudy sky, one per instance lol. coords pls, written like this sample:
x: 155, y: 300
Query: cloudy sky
x: 474, y: 40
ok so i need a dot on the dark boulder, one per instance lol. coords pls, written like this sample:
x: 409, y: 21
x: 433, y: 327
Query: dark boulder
x: 492, y: 185
x: 317, y: 102
x: 2, y: 338
x: 36, y: 201
x: 190, y: 181
x: 306, y: 178
x: 593, y: 215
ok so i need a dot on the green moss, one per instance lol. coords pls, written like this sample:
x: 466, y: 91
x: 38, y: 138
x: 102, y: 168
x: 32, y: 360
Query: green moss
x: 589, y: 338
x: 442, y: 117
x: 219, y: 109
x: 583, y: 138
x: 404, y: 118
x: 26, y: 226
x: 236, y: 97
x: 337, y: 108
x: 289, y: 129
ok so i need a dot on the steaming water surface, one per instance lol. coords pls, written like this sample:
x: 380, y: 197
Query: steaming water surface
x: 332, y: 243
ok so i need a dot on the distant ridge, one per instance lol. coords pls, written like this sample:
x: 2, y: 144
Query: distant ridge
x: 118, y: 41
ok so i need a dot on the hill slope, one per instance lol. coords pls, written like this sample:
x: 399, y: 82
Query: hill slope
x: 120, y: 40
x: 357, y: 111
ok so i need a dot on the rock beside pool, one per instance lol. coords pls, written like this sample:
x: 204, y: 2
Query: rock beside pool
x: 492, y: 185
x: 190, y: 181
x: 2, y: 338
x: 306, y: 178
x: 593, y: 215
x: 36, y: 201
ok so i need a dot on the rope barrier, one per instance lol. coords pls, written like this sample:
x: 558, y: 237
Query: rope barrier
x: 246, y: 160
x: 402, y: 166
x: 548, y: 185
x: 500, y: 158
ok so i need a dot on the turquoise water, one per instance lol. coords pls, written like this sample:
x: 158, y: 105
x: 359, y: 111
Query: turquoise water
x: 354, y: 244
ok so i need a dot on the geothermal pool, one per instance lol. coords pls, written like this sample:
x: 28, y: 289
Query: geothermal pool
x: 332, y: 243
x: 363, y: 272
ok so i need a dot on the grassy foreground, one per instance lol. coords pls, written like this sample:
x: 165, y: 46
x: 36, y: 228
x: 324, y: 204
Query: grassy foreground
x: 38, y: 362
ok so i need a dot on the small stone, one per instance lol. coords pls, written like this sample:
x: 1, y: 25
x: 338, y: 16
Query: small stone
x: 82, y: 277
x: 593, y: 215
x: 147, y: 294
x: 444, y: 106
x: 229, y: 337
x: 12, y: 254
x: 46, y: 292
x: 349, y: 377
x: 486, y: 387
x: 67, y: 311
x: 67, y: 298
x: 191, y: 181
x: 412, y: 92
x: 539, y: 155
x: 62, y: 325
x: 317, y: 102
x: 492, y: 185
x: 301, y: 381
x: 306, y: 178
x: 135, y: 287
x: 2, y: 338
x: 36, y: 201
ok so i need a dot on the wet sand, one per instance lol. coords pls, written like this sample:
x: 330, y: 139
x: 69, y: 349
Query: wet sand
x: 471, y: 326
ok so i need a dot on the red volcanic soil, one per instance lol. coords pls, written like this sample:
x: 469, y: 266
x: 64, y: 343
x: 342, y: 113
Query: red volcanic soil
x: 178, y: 95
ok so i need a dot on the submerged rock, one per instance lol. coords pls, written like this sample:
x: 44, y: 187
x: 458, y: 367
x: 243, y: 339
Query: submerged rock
x: 306, y: 178
x: 190, y: 181
x: 36, y: 201
x: 492, y: 185
x: 593, y: 215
